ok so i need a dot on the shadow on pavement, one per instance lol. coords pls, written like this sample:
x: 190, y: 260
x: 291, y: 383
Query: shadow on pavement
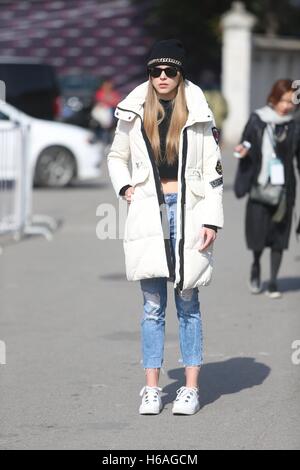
x: 220, y: 378
x: 289, y: 284
x: 92, y: 184
x: 88, y: 185
x: 286, y: 284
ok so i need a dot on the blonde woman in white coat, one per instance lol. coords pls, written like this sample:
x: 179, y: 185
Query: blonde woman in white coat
x: 175, y: 208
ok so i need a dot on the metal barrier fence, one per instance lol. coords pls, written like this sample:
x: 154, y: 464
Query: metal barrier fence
x: 12, y: 184
x: 16, y: 217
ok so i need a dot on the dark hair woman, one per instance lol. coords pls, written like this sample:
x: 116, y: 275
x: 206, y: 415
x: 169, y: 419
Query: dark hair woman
x: 266, y: 172
x: 175, y: 207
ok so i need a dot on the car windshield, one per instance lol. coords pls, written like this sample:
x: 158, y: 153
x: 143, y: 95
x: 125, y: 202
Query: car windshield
x: 9, y: 110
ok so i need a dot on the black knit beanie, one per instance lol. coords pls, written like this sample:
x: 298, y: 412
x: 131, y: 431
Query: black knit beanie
x: 168, y: 52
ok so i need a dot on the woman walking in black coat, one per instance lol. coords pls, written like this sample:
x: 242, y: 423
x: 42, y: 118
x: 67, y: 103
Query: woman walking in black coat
x: 266, y: 172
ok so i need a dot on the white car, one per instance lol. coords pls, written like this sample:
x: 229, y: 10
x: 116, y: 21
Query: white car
x: 59, y: 153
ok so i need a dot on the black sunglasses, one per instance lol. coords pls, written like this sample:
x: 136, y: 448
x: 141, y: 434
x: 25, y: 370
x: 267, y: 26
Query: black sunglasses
x: 155, y: 72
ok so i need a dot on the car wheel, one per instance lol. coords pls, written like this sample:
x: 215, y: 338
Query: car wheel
x: 55, y: 167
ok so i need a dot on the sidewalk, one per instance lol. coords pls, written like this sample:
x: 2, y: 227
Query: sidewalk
x: 70, y: 322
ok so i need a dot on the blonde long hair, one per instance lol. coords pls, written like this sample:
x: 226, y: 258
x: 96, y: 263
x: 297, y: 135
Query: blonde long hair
x: 154, y: 114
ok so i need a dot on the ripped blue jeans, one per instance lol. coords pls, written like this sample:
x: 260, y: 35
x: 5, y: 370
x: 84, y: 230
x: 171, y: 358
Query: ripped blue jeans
x: 155, y: 302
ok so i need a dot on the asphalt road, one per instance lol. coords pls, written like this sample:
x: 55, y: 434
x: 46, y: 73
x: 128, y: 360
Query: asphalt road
x: 70, y: 323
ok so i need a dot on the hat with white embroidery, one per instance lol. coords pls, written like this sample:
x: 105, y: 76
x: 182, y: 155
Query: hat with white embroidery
x: 167, y: 52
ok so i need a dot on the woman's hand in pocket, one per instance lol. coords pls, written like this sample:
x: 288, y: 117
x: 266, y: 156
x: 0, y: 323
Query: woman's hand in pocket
x: 208, y: 237
x: 128, y: 194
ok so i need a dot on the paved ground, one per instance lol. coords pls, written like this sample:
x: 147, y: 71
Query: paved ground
x: 70, y: 322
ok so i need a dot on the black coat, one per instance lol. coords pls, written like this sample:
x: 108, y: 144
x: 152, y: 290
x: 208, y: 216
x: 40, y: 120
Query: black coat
x: 260, y: 230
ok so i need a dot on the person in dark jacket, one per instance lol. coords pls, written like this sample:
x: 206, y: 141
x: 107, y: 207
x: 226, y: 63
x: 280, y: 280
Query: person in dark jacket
x: 274, y: 136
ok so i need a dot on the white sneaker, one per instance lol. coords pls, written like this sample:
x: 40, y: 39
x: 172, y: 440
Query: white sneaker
x: 273, y: 291
x: 151, y: 401
x: 187, y: 401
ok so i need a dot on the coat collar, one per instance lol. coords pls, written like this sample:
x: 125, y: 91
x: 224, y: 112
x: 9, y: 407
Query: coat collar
x: 197, y: 105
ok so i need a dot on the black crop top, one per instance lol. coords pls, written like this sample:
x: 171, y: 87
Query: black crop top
x: 165, y: 170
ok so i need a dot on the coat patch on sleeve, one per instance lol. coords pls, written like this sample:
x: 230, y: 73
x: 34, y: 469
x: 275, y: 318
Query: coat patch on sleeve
x: 216, y: 133
x: 217, y: 182
x: 219, y: 169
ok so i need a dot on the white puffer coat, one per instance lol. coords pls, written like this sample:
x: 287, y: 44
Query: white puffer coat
x: 200, y: 190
